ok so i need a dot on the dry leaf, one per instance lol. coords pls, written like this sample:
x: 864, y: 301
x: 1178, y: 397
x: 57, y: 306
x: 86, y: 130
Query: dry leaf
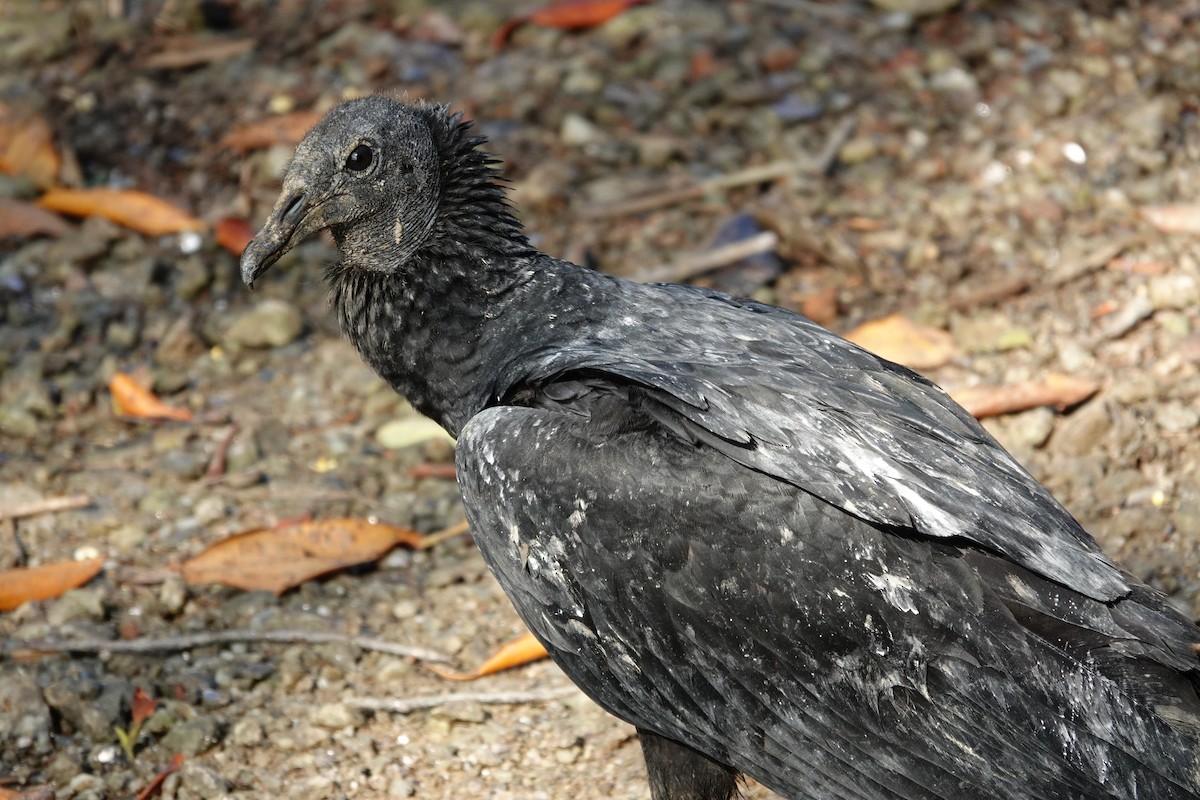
x: 819, y: 305
x: 19, y: 586
x: 567, y: 15
x: 283, y: 129
x: 905, y: 342
x: 28, y: 793
x: 279, y: 558
x: 131, y: 399
x: 440, y: 471
x: 21, y: 220
x: 1060, y: 391
x: 142, y: 212
x: 27, y: 147
x: 142, y: 707
x: 1173, y: 218
x: 524, y: 650
x: 234, y: 234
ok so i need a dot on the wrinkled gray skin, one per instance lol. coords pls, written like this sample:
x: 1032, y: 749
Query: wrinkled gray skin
x: 772, y: 552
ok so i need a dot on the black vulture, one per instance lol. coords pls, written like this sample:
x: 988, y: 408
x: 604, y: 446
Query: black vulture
x: 771, y: 551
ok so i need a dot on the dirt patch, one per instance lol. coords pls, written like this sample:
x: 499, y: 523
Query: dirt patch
x: 992, y: 179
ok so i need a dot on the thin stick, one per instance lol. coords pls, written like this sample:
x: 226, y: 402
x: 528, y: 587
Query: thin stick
x: 438, y: 537
x: 810, y: 7
x: 759, y: 173
x: 406, y: 705
x: 992, y: 293
x: 209, y: 638
x: 46, y: 506
x: 216, y: 465
x: 699, y: 263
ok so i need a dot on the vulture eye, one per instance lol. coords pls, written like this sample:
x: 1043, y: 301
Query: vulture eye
x: 360, y: 158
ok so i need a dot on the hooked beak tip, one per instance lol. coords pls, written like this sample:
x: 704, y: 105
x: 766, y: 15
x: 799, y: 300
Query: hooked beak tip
x: 277, y: 236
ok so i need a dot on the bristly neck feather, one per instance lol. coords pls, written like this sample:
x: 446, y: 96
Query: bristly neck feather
x: 441, y: 327
x: 474, y: 217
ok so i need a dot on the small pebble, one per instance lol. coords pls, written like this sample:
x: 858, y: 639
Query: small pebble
x: 247, y: 732
x: 336, y: 715
x: 576, y: 130
x: 399, y: 787
x: 859, y: 149
x: 272, y: 323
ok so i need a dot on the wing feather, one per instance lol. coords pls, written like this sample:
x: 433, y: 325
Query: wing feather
x: 825, y: 656
x: 778, y: 393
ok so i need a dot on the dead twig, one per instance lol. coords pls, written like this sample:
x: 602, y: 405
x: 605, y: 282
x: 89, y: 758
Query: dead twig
x: 760, y: 173
x: 47, y: 505
x: 1076, y: 264
x: 699, y: 263
x: 407, y: 705
x: 437, y: 537
x: 992, y: 293
x: 209, y: 638
x: 216, y: 466
x: 831, y: 11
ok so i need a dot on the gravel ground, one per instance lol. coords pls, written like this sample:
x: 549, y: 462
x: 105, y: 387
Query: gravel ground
x: 992, y: 166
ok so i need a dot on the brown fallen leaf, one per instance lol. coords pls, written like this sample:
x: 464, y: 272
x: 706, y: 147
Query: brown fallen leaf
x: 30, y: 793
x: 523, y: 650
x: 21, y: 220
x: 1173, y: 217
x: 27, y: 147
x: 283, y: 129
x: 905, y: 342
x: 142, y: 707
x: 568, y: 15
x: 429, y: 470
x: 47, y: 581
x: 234, y: 233
x: 1059, y: 391
x: 277, y: 559
x: 131, y: 399
x: 142, y: 212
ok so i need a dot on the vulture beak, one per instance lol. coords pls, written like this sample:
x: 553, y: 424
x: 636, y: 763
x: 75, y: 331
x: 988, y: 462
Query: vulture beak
x: 289, y: 223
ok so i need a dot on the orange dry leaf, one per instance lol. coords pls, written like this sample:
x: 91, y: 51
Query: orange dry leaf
x: 20, y: 220
x: 19, y: 586
x: 1173, y: 218
x: 905, y: 342
x: 1060, y: 391
x: 131, y: 399
x: 567, y: 15
x: 283, y: 129
x: 27, y: 147
x: 279, y: 558
x: 234, y: 234
x: 524, y: 650
x: 28, y: 793
x: 142, y: 707
x: 143, y: 212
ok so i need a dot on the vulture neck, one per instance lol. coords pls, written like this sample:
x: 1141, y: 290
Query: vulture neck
x: 455, y: 335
